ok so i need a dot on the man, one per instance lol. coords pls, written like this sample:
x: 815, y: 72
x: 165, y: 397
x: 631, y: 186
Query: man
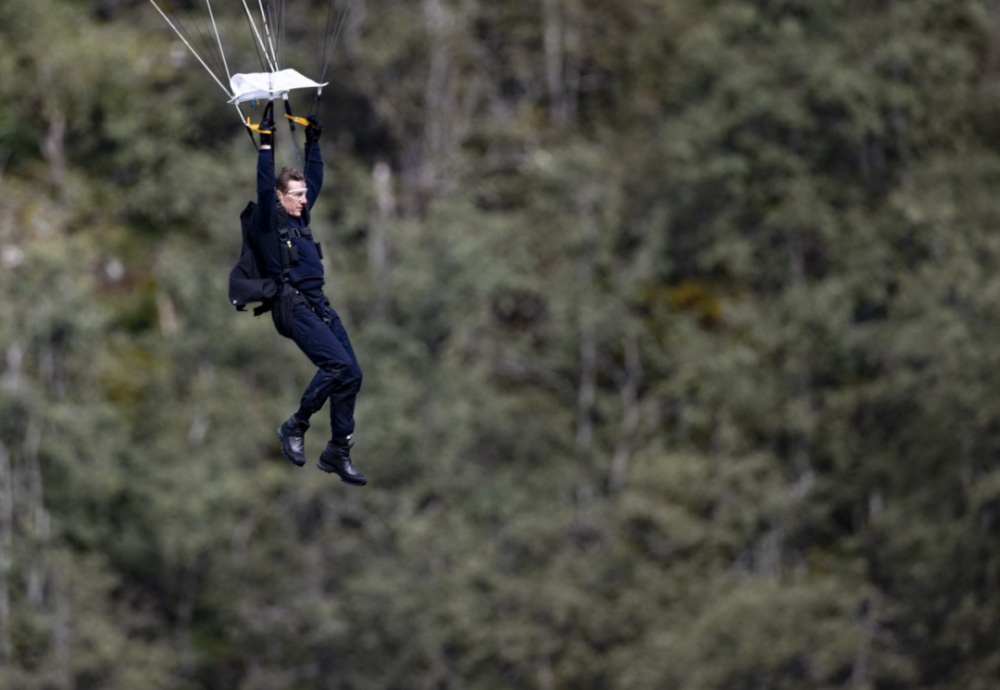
x: 284, y: 204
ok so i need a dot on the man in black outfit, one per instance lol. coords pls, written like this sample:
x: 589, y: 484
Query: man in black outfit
x: 283, y: 204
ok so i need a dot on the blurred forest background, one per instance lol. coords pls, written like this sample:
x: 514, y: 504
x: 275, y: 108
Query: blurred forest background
x: 679, y: 324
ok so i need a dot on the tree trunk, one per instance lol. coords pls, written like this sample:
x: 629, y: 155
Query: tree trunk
x: 587, y: 388
x: 554, y: 57
x: 62, y: 632
x: 38, y: 574
x: 167, y: 313
x: 437, y: 99
x: 15, y: 358
x: 385, y: 209
x: 6, y: 544
x: 54, y: 150
x: 630, y: 413
x: 801, y: 455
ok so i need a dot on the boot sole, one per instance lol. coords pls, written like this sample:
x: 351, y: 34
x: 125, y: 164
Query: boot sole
x: 333, y: 470
x: 284, y: 454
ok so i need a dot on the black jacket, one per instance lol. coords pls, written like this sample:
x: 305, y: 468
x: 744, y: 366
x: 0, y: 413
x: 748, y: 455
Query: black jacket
x: 267, y: 215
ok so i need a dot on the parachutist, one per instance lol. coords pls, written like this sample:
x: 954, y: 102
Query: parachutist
x: 280, y: 265
x: 282, y: 243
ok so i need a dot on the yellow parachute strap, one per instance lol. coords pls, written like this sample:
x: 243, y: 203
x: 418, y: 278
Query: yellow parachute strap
x: 300, y: 120
x: 257, y: 128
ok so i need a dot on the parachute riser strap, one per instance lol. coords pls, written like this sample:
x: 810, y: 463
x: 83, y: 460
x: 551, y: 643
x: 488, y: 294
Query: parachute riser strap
x: 295, y: 134
x: 251, y: 128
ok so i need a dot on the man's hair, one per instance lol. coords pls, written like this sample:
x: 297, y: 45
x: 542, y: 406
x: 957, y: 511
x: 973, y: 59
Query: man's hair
x: 286, y: 175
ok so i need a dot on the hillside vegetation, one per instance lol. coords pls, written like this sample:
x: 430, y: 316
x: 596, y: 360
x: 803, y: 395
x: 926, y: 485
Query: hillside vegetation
x: 679, y: 326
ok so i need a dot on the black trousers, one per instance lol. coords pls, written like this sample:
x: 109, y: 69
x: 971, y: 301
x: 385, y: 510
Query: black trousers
x: 317, y: 330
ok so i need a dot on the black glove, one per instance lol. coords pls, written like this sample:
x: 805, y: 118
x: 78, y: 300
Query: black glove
x: 266, y: 132
x: 314, y: 131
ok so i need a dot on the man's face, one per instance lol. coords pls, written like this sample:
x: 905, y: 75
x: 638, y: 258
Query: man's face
x: 293, y: 198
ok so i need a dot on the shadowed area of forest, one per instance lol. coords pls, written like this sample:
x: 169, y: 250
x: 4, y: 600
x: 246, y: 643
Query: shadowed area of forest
x: 678, y: 323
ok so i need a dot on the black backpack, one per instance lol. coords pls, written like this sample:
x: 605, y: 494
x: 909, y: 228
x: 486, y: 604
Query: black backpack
x: 247, y: 284
x: 246, y: 281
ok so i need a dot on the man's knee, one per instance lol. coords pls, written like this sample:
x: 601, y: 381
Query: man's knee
x: 353, y: 378
x: 347, y: 375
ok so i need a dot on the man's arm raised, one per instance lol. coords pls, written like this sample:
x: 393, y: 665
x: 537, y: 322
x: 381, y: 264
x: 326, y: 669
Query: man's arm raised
x: 314, y: 161
x: 265, y: 177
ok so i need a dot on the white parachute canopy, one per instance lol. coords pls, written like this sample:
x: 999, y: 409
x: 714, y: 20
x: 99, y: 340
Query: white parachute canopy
x: 262, y: 86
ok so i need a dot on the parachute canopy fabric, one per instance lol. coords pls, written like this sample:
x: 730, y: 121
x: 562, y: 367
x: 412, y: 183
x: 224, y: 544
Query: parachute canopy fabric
x: 261, y: 86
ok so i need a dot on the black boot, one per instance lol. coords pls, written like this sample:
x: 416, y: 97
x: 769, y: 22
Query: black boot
x: 337, y: 458
x: 293, y: 443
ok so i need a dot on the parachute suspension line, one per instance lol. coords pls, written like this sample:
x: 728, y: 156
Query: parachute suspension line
x: 326, y: 38
x: 283, y: 26
x: 199, y: 33
x: 331, y: 46
x: 253, y: 25
x: 271, y: 29
x: 274, y: 10
x: 256, y: 47
x: 193, y: 51
x: 277, y: 24
x: 267, y: 32
x: 295, y: 133
x: 266, y: 23
x: 219, y: 39
x: 314, y: 106
x: 206, y: 38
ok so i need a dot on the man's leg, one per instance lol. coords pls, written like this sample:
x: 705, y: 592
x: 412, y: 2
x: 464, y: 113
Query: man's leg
x: 337, y: 456
x: 338, y: 379
x: 337, y: 366
x: 307, y: 330
x: 342, y: 397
